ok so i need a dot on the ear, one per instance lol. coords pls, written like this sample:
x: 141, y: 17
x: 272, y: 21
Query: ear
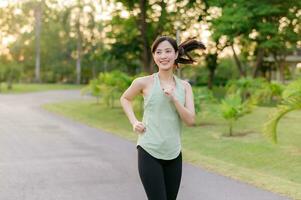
x: 177, y: 54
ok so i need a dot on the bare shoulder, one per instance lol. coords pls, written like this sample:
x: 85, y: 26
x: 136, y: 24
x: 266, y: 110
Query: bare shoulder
x: 186, y: 84
x: 143, y: 81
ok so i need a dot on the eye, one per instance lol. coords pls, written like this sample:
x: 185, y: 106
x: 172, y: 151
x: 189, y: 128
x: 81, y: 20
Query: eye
x: 158, y: 52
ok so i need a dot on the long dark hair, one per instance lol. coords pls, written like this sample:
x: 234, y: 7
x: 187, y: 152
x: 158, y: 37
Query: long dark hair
x: 183, y: 48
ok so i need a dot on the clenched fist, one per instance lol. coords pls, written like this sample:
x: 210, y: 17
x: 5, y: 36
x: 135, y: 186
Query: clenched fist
x: 139, y: 127
x: 169, y: 92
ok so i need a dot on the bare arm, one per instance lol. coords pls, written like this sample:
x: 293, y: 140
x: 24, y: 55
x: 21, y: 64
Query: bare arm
x: 126, y: 103
x: 186, y: 112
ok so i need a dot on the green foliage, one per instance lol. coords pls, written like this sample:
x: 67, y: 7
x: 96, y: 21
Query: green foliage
x: 271, y: 26
x: 291, y: 102
x: 112, y: 84
x: 225, y: 71
x: 269, y: 92
x: 138, y: 106
x: 93, y: 88
x: 118, y: 44
x: 233, y: 107
x: 126, y: 50
x: 10, y: 73
x: 202, y: 98
x: 108, y: 86
x: 246, y: 86
x: 234, y: 20
x: 1, y: 77
x: 258, y: 89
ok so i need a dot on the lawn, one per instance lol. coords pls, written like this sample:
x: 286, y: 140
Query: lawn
x: 246, y: 156
x: 33, y: 87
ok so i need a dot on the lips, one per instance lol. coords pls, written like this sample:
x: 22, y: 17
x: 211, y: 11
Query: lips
x: 164, y: 62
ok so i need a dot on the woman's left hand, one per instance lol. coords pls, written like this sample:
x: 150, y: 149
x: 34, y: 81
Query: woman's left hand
x: 169, y: 92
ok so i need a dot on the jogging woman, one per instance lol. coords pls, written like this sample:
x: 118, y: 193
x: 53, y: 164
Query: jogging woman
x: 168, y: 101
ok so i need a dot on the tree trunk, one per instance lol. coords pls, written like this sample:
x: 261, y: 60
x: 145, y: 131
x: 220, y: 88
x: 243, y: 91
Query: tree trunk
x: 269, y: 74
x: 79, y: 49
x: 282, y: 71
x: 211, y: 78
x: 146, y: 54
x: 238, y: 63
x: 9, y: 84
x: 280, y: 63
x: 231, y: 128
x: 38, y: 16
x: 259, y: 61
x: 211, y: 60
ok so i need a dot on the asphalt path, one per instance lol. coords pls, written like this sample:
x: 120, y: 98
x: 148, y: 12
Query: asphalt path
x: 44, y: 156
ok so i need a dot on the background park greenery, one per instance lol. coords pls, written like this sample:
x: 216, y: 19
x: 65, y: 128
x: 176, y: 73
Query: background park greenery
x: 247, y: 84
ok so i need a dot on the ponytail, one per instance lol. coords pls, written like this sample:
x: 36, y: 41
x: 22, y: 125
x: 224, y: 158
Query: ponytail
x: 184, y: 48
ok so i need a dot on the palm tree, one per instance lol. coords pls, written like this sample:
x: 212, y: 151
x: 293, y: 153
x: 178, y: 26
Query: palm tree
x: 291, y: 102
x: 233, y: 107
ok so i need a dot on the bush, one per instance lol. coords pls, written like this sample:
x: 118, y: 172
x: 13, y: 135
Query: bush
x: 291, y: 101
x: 259, y: 89
x: 233, y: 107
x: 109, y: 86
x: 224, y: 72
x: 10, y: 73
x: 202, y: 97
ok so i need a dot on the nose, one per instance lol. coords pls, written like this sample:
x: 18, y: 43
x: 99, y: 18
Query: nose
x: 163, y: 55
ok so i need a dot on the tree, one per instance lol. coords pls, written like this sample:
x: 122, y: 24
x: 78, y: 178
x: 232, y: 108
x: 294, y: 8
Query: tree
x: 38, y: 15
x: 211, y: 60
x: 79, y: 17
x: 275, y: 23
x: 156, y: 18
x: 271, y: 25
x: 232, y: 23
x: 215, y: 46
x: 55, y: 47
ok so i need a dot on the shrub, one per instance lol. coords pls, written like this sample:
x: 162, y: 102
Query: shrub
x: 233, y: 107
x: 202, y: 98
x: 109, y: 86
x: 291, y: 101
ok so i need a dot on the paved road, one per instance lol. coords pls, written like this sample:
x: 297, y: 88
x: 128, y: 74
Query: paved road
x: 47, y: 157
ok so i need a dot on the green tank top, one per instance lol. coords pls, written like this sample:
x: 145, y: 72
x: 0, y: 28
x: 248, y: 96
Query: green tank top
x: 162, y: 138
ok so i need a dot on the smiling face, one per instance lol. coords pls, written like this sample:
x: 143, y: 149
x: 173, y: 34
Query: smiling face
x: 165, y: 55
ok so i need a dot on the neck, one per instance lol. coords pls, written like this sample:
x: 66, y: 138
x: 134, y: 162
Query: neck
x: 165, y: 76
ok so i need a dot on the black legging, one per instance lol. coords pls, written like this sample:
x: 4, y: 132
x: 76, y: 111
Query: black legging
x: 160, y: 178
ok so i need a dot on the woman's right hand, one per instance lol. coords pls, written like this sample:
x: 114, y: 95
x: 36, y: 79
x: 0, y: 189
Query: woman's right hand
x: 139, y: 127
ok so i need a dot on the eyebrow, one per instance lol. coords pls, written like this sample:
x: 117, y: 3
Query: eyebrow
x: 164, y: 49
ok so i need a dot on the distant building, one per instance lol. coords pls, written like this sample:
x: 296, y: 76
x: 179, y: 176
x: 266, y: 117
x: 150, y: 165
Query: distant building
x: 292, y: 61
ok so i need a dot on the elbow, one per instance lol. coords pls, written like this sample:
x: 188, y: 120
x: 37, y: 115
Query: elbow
x: 191, y: 121
x: 190, y: 124
x: 121, y: 100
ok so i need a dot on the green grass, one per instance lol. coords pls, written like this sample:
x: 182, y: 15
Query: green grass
x: 246, y: 156
x: 33, y: 87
